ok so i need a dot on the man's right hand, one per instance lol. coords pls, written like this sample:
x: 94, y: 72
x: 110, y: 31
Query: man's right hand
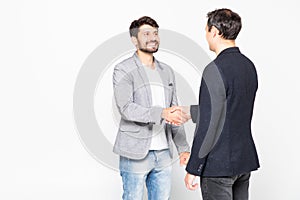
x: 176, y: 115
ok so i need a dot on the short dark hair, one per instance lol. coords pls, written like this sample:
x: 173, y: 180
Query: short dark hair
x: 136, y: 24
x: 226, y: 21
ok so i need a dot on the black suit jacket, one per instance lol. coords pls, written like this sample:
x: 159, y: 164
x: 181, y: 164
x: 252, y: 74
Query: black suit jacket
x: 223, y: 143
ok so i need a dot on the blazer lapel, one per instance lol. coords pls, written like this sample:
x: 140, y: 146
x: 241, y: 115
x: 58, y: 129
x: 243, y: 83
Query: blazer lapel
x: 144, y: 79
x: 164, y: 75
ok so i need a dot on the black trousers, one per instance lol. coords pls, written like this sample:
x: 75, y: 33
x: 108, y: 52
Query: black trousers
x: 225, y: 188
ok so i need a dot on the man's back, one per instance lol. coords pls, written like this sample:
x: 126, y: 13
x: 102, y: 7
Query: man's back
x: 236, y: 150
x: 240, y: 81
x: 223, y: 136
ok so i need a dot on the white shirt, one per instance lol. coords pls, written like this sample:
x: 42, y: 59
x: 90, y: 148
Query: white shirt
x: 159, y: 139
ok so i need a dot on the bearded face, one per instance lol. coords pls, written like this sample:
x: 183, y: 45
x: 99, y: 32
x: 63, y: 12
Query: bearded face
x: 148, y: 39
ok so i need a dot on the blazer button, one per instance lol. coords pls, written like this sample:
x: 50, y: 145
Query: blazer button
x: 199, y: 168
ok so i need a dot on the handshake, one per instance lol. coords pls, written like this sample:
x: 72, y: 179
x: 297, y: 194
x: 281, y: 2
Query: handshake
x: 176, y: 115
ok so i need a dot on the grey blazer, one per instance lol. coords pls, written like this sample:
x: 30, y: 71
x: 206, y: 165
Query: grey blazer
x: 133, y: 98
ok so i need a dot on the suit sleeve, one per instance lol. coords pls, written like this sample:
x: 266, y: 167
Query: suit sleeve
x: 129, y: 110
x: 210, y: 122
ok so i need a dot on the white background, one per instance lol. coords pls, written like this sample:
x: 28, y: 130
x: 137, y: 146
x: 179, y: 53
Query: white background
x: 42, y: 47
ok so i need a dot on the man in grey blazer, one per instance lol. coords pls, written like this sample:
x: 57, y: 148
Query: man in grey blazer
x: 145, y: 94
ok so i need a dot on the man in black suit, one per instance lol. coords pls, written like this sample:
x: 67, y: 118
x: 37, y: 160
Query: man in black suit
x: 223, y: 152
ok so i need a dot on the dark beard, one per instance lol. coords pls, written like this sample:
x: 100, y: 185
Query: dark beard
x: 148, y: 51
x: 145, y: 50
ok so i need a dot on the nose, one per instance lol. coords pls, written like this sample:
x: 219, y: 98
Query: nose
x: 153, y: 37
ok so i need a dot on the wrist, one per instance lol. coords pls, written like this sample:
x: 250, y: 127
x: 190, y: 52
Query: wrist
x: 164, y: 113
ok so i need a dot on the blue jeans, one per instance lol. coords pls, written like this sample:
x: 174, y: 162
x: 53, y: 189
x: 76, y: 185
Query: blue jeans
x: 225, y: 188
x: 154, y: 170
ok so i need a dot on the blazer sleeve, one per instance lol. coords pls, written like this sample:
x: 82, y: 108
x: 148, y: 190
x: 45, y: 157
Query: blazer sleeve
x: 178, y: 132
x: 129, y: 110
x: 210, y: 122
x: 194, y: 113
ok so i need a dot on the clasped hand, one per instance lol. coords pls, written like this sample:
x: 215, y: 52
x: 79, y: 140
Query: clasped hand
x: 176, y: 115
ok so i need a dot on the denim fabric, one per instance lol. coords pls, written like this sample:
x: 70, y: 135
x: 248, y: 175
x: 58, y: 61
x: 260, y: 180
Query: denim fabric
x: 154, y: 170
x: 225, y: 188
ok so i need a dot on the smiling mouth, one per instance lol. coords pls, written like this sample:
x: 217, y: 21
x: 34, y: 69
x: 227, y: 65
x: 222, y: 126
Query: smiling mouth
x: 152, y: 44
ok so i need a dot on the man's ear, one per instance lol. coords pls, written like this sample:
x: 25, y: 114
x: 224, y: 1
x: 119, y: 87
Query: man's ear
x: 134, y: 40
x: 215, y: 31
